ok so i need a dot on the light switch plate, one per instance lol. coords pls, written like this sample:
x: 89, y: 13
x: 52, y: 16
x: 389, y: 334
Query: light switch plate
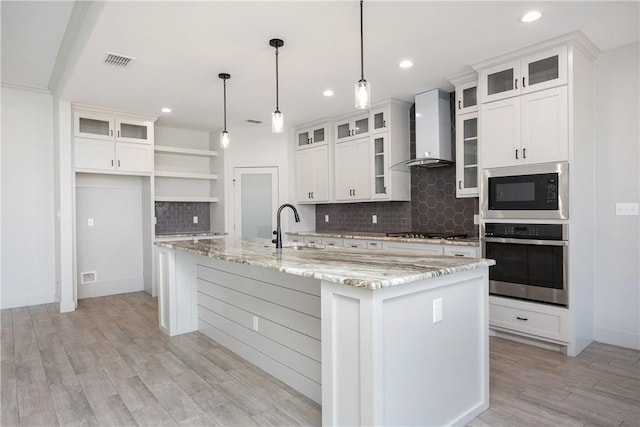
x: 627, y: 209
x: 437, y: 310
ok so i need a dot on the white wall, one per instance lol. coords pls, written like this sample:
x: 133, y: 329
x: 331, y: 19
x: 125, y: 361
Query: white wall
x: 617, y: 295
x: 256, y: 145
x: 28, y: 273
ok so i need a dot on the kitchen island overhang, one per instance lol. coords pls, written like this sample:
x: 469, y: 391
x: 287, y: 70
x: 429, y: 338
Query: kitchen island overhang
x: 403, y: 339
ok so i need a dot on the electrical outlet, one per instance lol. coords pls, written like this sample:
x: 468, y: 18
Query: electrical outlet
x: 90, y: 222
x: 195, y: 219
x: 326, y: 218
x: 476, y: 219
x: 374, y: 219
x: 437, y: 310
x: 627, y: 209
x: 255, y: 323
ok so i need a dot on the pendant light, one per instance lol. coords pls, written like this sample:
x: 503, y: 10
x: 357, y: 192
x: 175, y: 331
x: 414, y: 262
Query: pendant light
x: 224, y: 136
x: 363, y: 89
x: 277, y: 118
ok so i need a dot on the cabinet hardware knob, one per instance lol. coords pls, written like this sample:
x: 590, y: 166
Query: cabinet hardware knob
x: 459, y: 185
x: 112, y: 163
x: 516, y: 153
x: 384, y: 190
x: 459, y: 105
x: 523, y: 82
x: 311, y: 140
x: 524, y: 153
x: 458, y: 254
x: 516, y: 83
x: 110, y: 132
x: 354, y: 191
x: 384, y: 123
x: 522, y: 318
x: 118, y: 134
x: 312, y: 194
x: 118, y: 163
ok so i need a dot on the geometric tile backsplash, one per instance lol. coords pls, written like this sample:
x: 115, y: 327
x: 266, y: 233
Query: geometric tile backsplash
x: 177, y: 217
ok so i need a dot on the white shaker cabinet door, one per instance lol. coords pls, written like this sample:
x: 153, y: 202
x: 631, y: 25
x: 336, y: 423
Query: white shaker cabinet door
x: 500, y: 133
x: 134, y: 157
x: 94, y: 154
x: 545, y: 132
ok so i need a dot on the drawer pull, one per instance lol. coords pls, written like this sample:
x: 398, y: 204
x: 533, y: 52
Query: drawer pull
x: 458, y: 254
x: 522, y: 318
x: 355, y: 246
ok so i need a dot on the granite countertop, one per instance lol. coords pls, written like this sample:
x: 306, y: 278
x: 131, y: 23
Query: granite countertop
x: 355, y: 267
x: 471, y: 241
x: 197, y: 234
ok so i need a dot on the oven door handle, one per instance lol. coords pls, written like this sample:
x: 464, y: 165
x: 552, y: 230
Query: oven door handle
x: 527, y: 241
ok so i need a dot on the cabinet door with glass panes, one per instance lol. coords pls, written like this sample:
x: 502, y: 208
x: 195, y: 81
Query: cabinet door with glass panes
x: 307, y: 136
x: 380, y: 168
x: 532, y: 73
x: 467, y: 155
x: 103, y: 126
x: 352, y: 127
x: 379, y: 119
x: 466, y: 98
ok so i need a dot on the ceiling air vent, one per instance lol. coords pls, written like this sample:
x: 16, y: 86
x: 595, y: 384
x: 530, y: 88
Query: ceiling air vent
x: 118, y: 60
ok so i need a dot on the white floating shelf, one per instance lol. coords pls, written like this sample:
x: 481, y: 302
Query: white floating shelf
x: 185, y: 151
x: 185, y: 199
x: 186, y: 175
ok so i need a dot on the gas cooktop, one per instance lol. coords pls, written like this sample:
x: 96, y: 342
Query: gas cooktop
x: 427, y: 235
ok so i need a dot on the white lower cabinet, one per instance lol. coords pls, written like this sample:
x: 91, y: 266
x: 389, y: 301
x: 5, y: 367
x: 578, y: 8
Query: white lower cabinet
x: 110, y: 156
x: 331, y: 241
x: 462, y: 251
x: 313, y: 174
x: 529, y: 319
x: 422, y: 248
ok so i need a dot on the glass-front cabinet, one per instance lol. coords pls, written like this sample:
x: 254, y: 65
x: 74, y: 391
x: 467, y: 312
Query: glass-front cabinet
x: 379, y: 119
x: 535, y: 72
x: 352, y: 127
x: 467, y: 155
x: 102, y: 126
x: 380, y: 148
x: 467, y: 97
x: 314, y: 134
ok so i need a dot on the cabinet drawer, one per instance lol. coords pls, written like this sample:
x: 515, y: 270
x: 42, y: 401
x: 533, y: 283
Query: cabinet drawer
x: 331, y: 241
x: 374, y: 245
x: 421, y: 248
x: 313, y: 240
x: 552, y: 323
x: 354, y: 243
x: 461, y: 251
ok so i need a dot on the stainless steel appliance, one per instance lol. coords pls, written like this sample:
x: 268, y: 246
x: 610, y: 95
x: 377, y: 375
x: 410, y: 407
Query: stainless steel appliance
x: 526, y: 192
x: 531, y: 260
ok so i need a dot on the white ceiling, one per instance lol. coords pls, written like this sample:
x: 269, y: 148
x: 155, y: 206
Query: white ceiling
x: 180, y: 47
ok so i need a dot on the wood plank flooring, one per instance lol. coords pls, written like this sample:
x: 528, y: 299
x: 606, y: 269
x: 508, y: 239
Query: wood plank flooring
x: 108, y: 364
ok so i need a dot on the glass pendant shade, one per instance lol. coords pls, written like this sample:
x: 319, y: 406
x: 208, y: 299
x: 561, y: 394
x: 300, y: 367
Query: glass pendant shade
x: 224, y: 139
x: 277, y: 122
x: 363, y: 95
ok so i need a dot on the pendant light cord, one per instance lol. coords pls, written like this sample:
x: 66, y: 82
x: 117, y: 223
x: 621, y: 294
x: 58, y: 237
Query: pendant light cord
x: 224, y: 82
x: 277, y: 89
x: 361, y: 44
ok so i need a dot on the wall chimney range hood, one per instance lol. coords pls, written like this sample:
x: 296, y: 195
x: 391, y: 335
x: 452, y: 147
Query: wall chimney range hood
x: 433, y: 130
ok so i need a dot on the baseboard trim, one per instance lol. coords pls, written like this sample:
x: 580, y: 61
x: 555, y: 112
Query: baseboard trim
x: 112, y: 287
x: 27, y: 300
x: 619, y: 338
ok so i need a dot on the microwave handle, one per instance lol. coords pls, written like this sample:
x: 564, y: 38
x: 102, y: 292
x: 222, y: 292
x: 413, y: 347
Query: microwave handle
x: 526, y: 241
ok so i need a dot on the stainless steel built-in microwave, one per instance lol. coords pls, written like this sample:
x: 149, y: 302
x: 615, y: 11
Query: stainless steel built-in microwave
x: 526, y: 191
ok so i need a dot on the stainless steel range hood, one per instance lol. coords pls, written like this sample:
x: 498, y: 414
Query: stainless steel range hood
x: 433, y: 130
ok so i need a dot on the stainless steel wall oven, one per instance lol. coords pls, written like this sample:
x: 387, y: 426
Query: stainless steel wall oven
x: 531, y: 261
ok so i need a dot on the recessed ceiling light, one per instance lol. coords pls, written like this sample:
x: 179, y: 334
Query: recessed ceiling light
x: 328, y: 92
x: 166, y: 110
x: 534, y: 15
x: 406, y: 64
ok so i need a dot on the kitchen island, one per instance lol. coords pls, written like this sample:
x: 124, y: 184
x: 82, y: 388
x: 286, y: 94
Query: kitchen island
x: 376, y: 337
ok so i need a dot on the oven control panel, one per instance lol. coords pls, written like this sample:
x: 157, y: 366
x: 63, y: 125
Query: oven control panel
x: 526, y: 231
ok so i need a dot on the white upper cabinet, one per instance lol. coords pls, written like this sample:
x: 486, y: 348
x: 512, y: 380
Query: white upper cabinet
x: 467, y: 97
x: 105, y: 141
x: 315, y: 134
x: 467, y: 155
x: 529, y: 129
x: 352, y: 170
x: 88, y: 124
x: 352, y: 127
x: 312, y: 173
x: 379, y: 119
x: 532, y: 73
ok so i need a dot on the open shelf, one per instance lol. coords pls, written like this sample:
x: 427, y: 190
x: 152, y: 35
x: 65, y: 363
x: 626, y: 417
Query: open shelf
x: 185, y: 151
x: 186, y: 175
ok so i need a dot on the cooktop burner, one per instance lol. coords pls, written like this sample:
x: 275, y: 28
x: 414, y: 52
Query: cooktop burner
x: 421, y: 235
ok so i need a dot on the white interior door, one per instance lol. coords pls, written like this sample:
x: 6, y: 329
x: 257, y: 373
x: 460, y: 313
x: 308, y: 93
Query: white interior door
x: 255, y: 202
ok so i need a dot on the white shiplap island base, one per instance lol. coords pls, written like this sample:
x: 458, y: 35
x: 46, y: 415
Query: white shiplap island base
x: 352, y: 329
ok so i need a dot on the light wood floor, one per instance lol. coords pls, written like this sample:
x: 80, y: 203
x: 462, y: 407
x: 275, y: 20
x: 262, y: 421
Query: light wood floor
x: 108, y: 364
